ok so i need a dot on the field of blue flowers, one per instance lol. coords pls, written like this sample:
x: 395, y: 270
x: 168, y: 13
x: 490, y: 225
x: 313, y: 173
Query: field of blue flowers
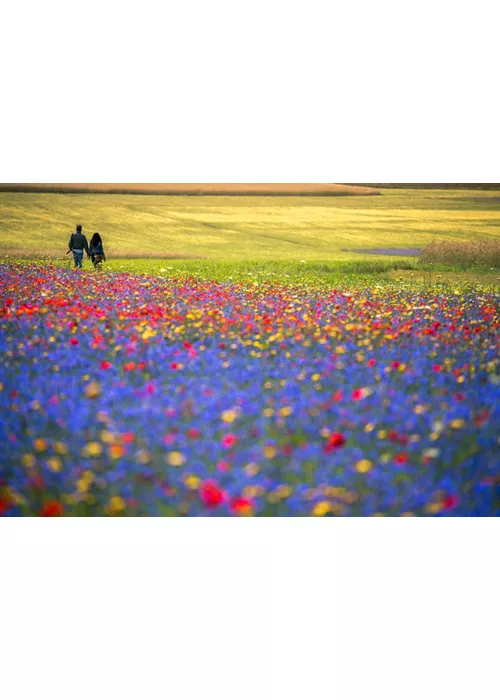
x: 133, y: 395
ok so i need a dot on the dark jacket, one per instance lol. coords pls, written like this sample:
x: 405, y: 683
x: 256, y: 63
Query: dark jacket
x: 96, y: 249
x: 78, y: 241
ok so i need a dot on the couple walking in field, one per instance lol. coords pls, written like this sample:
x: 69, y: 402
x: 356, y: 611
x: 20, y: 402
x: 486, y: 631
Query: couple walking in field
x: 78, y: 244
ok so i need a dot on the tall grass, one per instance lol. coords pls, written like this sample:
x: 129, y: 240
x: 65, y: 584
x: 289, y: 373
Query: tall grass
x: 466, y: 254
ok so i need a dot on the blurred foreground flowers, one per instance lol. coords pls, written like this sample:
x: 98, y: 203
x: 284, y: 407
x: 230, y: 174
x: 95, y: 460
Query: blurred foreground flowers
x: 134, y: 395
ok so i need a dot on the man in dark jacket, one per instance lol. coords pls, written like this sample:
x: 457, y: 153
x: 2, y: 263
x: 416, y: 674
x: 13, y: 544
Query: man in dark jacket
x: 77, y: 244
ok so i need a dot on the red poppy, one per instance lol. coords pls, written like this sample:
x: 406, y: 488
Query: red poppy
x: 241, y: 506
x: 73, y: 341
x: 335, y: 441
x: 193, y: 433
x: 52, y: 509
x: 451, y: 502
x: 105, y: 365
x: 401, y: 458
x: 211, y: 495
x: 4, y: 505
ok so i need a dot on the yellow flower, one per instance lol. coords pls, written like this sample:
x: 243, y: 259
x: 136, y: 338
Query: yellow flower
x: 192, y: 482
x: 321, y: 508
x: 364, y: 465
x: 252, y: 491
x: 61, y: 448
x: 286, y: 411
x: 176, y: 459
x: 433, y: 508
x: 92, y: 449
x: 269, y: 451
x: 457, y: 423
x: 85, y: 482
x: 108, y: 437
x: 28, y: 460
x: 55, y: 464
x: 40, y: 445
x: 116, y: 504
x: 17, y: 498
x: 93, y: 390
x: 229, y: 416
x: 284, y: 491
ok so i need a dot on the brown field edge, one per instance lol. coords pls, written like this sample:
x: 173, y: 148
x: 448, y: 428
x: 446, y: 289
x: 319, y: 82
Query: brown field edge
x: 431, y: 185
x: 261, y: 189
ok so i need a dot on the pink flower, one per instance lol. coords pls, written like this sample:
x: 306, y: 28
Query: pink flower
x: 229, y: 440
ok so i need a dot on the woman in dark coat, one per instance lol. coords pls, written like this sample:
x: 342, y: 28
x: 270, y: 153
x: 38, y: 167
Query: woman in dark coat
x: 96, y: 250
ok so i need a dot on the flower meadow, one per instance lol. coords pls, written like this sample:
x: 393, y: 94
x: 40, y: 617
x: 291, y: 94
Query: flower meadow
x: 135, y: 395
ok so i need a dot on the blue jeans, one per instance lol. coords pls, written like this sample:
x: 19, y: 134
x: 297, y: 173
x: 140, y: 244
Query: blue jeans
x: 78, y: 257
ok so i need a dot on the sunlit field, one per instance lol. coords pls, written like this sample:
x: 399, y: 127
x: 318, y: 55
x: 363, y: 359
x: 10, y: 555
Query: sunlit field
x: 246, y: 228
x: 297, y: 379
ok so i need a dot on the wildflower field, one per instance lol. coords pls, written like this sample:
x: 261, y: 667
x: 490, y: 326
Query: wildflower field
x: 144, y: 394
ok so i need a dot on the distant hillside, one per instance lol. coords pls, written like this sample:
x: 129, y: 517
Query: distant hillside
x: 431, y: 186
x: 262, y: 189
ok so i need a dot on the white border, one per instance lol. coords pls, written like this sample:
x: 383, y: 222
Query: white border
x: 283, y: 608
x: 269, y: 92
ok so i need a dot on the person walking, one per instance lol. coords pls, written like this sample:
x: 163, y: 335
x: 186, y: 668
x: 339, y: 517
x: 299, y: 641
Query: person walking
x: 96, y: 250
x: 77, y: 244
